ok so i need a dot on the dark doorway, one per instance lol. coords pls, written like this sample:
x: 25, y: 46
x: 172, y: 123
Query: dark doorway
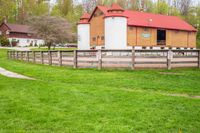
x: 161, y: 37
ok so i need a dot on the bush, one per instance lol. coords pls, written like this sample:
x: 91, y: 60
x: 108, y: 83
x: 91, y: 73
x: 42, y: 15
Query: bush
x: 4, y: 41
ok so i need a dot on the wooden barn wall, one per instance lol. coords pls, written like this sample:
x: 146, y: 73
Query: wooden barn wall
x: 3, y: 29
x: 140, y: 33
x: 148, y: 37
x: 192, y: 39
x: 97, y: 29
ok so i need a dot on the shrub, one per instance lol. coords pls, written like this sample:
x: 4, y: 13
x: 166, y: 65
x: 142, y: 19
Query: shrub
x: 4, y: 41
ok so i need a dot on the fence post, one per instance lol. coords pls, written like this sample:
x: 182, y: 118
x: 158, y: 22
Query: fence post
x: 133, y: 59
x: 33, y: 56
x: 50, y: 57
x: 59, y: 58
x: 21, y: 55
x: 8, y: 54
x: 27, y: 56
x: 42, y: 57
x: 199, y: 59
x: 17, y: 55
x: 99, y: 55
x: 75, y: 59
x: 169, y: 59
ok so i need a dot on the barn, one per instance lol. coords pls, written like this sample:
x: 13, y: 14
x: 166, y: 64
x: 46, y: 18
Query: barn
x: 116, y: 28
x: 19, y: 35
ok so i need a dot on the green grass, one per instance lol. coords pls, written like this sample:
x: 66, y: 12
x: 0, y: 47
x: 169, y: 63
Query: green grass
x: 46, y: 49
x: 87, y: 100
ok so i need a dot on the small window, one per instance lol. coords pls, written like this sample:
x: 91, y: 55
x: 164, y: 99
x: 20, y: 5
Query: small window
x: 146, y: 29
x: 177, y: 31
x: 102, y: 37
x: 101, y: 13
x: 94, y: 39
x: 28, y: 40
x: 130, y: 28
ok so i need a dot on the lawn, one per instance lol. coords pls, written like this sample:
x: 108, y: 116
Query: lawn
x: 91, y: 101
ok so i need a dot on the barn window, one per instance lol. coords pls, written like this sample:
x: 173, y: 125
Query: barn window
x: 102, y: 37
x: 101, y: 13
x: 94, y: 38
x: 161, y: 37
x: 146, y: 29
x: 130, y: 28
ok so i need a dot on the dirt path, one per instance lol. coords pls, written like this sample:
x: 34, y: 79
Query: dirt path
x: 13, y: 75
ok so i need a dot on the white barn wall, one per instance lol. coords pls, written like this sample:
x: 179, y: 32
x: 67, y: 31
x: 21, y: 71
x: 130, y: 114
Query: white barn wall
x: 84, y: 36
x: 116, y: 33
x: 23, y: 42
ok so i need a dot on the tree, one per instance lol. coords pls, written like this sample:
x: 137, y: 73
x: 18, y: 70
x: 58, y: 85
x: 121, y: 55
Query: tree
x: 4, y: 41
x: 162, y: 7
x: 53, y: 30
x: 8, y: 10
x: 27, y: 8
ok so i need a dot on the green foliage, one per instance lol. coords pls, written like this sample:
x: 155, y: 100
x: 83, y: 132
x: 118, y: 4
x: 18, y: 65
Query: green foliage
x: 8, y: 10
x: 162, y: 8
x: 4, y: 41
x: 68, y: 11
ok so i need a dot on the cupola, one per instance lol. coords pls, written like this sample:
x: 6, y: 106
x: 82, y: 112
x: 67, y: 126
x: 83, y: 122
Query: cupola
x: 115, y: 11
x: 84, y: 19
x: 115, y: 8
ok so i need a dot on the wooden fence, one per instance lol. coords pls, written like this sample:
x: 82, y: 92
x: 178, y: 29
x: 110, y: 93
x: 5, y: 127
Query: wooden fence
x: 133, y: 59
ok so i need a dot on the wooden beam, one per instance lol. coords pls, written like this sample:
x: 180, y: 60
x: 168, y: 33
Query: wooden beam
x: 133, y: 58
x: 99, y: 56
x: 50, y: 57
x: 34, y: 60
x: 42, y: 57
x: 75, y: 59
x: 21, y: 55
x: 59, y: 54
x: 199, y: 59
x: 169, y: 59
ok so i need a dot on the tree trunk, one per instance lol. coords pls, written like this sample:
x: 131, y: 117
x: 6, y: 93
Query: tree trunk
x: 49, y: 46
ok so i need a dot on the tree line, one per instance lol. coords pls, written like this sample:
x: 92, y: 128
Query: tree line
x: 17, y: 11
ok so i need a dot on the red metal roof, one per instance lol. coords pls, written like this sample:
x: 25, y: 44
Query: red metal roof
x: 143, y: 19
x: 18, y: 28
x: 85, y: 16
x: 84, y: 19
x: 157, y: 21
x: 115, y: 7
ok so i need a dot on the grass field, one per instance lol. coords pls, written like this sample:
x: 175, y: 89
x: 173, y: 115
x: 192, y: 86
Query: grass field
x: 92, y: 101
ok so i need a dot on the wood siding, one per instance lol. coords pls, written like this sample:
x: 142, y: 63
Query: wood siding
x: 97, y: 31
x: 174, y: 38
x: 3, y: 29
x: 136, y: 37
x: 181, y: 39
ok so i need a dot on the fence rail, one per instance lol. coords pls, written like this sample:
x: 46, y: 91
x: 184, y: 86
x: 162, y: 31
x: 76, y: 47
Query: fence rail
x: 132, y: 59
